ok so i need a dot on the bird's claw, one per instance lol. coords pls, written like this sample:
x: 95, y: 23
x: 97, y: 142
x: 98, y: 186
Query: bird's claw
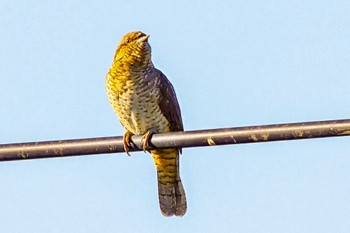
x: 127, y: 141
x: 146, y: 138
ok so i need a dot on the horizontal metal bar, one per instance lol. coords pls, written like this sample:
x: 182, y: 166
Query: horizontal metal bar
x: 197, y: 138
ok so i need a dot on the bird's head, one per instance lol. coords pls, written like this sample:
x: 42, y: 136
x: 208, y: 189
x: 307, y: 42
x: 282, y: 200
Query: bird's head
x: 134, y: 50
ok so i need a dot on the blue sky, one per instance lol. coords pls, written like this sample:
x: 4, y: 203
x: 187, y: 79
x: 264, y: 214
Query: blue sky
x: 232, y: 63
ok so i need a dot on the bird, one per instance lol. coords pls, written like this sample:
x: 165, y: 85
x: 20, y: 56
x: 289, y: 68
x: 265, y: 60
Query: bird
x: 145, y: 102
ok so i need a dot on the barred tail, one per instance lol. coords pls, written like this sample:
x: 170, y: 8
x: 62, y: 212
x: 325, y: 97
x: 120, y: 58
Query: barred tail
x: 172, y: 198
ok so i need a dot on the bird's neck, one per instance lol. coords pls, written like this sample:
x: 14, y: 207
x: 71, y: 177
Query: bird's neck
x: 125, y: 75
x: 130, y: 70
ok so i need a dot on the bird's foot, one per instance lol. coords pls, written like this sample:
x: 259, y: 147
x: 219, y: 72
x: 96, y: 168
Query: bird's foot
x: 127, y: 141
x: 146, y: 137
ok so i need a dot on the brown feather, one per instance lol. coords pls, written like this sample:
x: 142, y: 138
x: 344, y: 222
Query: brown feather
x: 167, y: 101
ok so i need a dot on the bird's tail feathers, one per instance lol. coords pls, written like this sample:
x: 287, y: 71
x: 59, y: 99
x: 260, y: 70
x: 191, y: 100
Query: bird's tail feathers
x: 172, y: 198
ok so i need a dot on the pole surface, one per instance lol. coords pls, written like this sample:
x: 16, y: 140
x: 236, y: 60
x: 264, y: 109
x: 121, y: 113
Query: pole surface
x: 197, y: 138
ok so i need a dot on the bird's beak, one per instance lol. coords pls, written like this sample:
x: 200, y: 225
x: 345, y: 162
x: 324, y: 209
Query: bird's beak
x: 142, y: 39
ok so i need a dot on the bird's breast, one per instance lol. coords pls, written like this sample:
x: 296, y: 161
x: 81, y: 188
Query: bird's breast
x: 137, y: 108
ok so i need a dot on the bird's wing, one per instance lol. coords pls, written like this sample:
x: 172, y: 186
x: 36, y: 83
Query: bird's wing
x: 167, y: 101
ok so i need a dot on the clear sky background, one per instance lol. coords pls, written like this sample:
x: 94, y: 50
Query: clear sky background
x: 232, y: 63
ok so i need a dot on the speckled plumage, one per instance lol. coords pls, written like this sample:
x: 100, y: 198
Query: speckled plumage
x: 144, y: 100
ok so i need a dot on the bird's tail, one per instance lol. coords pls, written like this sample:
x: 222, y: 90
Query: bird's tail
x: 172, y: 198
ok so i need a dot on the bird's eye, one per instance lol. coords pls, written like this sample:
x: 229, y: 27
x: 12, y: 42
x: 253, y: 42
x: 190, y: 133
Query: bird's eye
x: 127, y: 40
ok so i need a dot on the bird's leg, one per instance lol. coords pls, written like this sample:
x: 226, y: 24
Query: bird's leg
x: 146, y: 137
x: 126, y: 141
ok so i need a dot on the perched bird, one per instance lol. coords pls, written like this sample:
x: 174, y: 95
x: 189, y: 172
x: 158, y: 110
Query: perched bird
x: 146, y: 103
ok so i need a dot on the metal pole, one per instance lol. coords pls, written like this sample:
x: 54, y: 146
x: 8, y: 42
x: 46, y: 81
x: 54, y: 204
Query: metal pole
x: 213, y: 137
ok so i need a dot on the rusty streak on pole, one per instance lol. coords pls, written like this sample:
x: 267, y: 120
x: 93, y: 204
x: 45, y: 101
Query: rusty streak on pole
x: 214, y: 137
